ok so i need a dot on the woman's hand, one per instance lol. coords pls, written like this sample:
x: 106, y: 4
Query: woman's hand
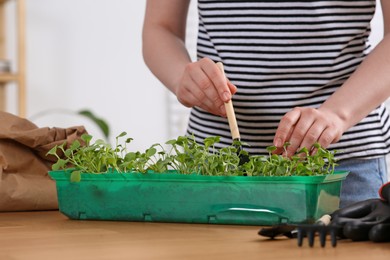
x: 368, y: 85
x: 203, y: 85
x: 304, y: 126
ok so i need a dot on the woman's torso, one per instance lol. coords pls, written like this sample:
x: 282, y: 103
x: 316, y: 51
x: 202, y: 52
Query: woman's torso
x: 284, y: 54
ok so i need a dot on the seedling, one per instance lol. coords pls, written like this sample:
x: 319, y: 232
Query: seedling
x: 184, y: 155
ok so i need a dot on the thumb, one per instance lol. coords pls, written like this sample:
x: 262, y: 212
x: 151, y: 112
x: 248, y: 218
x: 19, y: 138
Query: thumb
x: 232, y: 87
x: 354, y: 211
x: 357, y: 230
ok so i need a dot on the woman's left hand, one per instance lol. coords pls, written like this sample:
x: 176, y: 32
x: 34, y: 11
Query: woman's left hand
x: 304, y: 126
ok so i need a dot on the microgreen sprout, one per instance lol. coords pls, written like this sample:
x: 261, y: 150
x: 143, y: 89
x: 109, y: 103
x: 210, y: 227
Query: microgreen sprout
x: 184, y: 155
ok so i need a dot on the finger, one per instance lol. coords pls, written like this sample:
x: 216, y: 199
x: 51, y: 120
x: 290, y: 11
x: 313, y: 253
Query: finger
x: 185, y: 97
x: 206, y: 93
x: 281, y: 150
x: 285, y: 126
x: 355, y: 210
x: 206, y: 90
x: 232, y: 87
x: 299, y: 133
x: 189, y: 95
x: 313, y: 134
x: 326, y: 138
x: 380, y: 233
x: 218, y: 78
x: 357, y: 231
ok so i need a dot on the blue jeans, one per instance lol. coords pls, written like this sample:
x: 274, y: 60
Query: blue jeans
x: 364, y: 179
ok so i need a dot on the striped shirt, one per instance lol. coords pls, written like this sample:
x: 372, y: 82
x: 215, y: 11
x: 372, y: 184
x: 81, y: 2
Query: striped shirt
x: 284, y: 54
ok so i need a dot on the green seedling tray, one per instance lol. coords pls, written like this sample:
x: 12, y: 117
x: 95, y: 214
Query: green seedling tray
x: 173, y: 197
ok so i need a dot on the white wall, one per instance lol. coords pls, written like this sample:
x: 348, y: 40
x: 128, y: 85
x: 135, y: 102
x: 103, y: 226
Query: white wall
x: 377, y: 25
x: 87, y: 54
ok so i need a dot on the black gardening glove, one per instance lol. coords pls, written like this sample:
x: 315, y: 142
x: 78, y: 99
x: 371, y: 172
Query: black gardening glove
x: 365, y: 220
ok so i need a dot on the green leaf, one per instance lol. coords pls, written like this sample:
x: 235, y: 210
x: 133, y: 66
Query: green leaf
x: 303, y: 150
x: 121, y: 134
x: 130, y: 156
x: 86, y: 138
x: 150, y: 152
x: 171, y: 142
x: 75, y: 176
x: 270, y: 149
x: 55, y: 167
x: 98, y: 121
x: 111, y: 160
x: 101, y: 142
x: 60, y: 164
x: 280, y: 171
x: 210, y: 141
x: 53, y: 151
x: 316, y: 145
x: 75, y: 145
x: 68, y: 152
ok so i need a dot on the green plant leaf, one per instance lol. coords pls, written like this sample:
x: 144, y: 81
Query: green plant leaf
x: 187, y: 156
x: 317, y: 145
x: 68, y: 152
x: 86, y: 138
x: 151, y: 151
x: 75, y: 176
x: 52, y: 151
x: 111, y: 160
x: 270, y: 149
x: 121, y: 134
x: 171, y: 142
x: 60, y: 164
x: 102, y: 124
x: 75, y: 145
x: 130, y: 156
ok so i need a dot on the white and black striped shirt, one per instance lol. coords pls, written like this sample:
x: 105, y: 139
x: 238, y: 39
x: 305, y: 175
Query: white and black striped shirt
x: 284, y: 54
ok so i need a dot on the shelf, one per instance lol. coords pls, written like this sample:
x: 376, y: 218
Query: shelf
x: 19, y: 76
x: 7, y: 77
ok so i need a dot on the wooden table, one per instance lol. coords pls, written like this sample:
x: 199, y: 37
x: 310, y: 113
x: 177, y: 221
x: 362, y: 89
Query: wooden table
x: 50, y: 235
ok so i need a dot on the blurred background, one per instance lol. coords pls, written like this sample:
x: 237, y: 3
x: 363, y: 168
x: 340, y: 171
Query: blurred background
x: 86, y: 54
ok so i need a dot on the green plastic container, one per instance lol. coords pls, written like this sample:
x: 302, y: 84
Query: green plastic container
x: 172, y: 197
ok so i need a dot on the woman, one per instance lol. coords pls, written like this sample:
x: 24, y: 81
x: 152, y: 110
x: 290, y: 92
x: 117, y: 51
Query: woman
x: 299, y: 72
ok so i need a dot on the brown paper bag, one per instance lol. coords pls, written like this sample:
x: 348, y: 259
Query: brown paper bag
x: 24, y: 180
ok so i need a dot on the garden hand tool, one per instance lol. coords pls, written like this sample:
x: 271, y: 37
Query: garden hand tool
x: 231, y: 116
x: 286, y: 230
x: 321, y: 227
x: 364, y: 220
x: 301, y: 231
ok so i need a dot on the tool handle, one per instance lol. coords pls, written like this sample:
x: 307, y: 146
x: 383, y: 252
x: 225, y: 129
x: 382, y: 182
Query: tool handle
x: 231, y: 116
x: 324, y: 220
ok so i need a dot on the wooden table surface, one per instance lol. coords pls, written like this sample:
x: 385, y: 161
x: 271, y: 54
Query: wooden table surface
x: 50, y: 235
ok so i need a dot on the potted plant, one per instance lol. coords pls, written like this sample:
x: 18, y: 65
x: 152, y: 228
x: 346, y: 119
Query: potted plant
x: 191, y: 183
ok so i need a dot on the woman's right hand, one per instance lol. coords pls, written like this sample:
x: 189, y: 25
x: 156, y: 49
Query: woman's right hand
x: 204, y: 85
